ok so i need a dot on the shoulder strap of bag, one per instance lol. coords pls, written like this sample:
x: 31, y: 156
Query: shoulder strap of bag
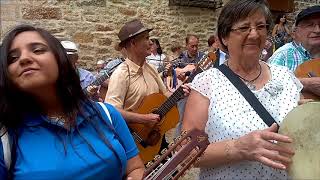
x: 6, y: 147
x: 248, y: 95
x: 104, y: 107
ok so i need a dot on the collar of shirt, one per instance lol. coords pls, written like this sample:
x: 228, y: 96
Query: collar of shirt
x: 36, y: 119
x: 301, y: 49
x: 134, y: 68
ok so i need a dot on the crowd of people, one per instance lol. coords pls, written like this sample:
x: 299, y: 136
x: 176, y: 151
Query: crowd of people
x: 60, y: 121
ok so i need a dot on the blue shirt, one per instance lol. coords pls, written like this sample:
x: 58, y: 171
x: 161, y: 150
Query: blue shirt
x: 86, y: 77
x: 41, y: 153
x: 186, y: 59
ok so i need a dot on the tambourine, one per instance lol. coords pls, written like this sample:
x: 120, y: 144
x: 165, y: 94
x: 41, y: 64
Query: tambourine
x: 302, y: 124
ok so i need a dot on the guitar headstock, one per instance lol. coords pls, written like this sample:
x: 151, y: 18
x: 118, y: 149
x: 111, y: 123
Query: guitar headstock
x: 207, y: 61
x: 180, y: 156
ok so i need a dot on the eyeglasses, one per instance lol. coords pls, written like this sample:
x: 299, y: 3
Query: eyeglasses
x: 261, y: 28
x: 309, y: 25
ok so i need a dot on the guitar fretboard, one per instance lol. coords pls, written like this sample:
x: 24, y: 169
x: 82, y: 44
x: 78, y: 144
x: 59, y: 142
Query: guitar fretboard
x: 176, y: 96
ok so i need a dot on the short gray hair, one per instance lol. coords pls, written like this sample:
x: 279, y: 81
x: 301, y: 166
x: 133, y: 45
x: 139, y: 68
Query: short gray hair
x: 236, y: 10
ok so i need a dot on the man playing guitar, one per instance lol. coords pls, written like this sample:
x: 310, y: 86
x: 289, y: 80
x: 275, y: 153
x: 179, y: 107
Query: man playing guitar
x: 134, y: 79
x: 304, y: 47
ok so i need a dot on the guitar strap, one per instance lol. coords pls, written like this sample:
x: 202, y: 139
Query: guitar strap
x: 125, y: 97
x: 248, y: 95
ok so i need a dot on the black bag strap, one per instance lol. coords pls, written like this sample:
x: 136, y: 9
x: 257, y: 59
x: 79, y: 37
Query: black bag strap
x: 248, y: 95
x: 217, y: 62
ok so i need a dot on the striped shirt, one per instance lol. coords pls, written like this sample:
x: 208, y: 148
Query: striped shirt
x: 290, y: 55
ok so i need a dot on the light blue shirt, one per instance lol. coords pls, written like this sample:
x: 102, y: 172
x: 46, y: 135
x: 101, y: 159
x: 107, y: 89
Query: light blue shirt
x: 48, y: 151
x: 86, y: 77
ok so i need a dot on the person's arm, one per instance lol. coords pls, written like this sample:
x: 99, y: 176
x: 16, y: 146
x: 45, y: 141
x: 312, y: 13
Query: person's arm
x: 135, y: 168
x: 311, y: 84
x: 287, y: 30
x: 255, y: 146
x: 274, y: 30
x: 118, y: 87
x: 132, y: 117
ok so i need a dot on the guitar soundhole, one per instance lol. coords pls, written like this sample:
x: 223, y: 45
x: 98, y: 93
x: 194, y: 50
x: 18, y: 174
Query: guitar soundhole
x: 153, y: 137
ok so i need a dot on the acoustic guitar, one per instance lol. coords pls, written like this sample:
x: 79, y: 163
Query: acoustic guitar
x: 180, y: 156
x: 148, y: 139
x: 307, y: 69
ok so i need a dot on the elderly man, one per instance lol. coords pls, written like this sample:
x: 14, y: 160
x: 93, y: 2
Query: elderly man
x: 135, y: 79
x: 86, y: 77
x: 304, y: 47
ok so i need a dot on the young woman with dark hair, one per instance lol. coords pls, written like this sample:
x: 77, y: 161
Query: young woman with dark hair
x: 56, y: 131
x: 280, y: 31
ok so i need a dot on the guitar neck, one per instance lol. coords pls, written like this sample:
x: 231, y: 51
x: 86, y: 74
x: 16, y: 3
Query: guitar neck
x: 180, y: 156
x: 176, y: 96
x: 100, y: 79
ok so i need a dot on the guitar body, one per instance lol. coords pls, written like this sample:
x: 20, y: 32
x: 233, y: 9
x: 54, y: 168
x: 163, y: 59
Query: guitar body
x: 302, y: 71
x: 149, y: 104
x: 148, y: 139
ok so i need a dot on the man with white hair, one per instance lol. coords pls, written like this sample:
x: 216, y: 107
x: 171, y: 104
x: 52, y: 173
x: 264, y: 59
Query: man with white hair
x: 304, y: 47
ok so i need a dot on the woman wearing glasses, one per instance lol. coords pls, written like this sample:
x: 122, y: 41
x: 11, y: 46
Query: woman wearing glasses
x: 242, y: 145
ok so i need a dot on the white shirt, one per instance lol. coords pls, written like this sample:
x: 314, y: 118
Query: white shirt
x: 230, y: 116
x: 156, y: 60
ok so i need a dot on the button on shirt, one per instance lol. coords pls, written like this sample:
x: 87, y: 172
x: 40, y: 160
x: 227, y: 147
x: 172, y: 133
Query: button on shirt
x: 290, y: 55
x: 48, y: 151
x: 130, y: 83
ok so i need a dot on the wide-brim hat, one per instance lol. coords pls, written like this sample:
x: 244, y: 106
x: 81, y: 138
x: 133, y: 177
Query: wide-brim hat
x: 131, y: 29
x: 307, y: 12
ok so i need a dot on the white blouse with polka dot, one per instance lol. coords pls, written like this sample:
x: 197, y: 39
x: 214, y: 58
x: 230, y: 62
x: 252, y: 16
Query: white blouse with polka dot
x: 230, y: 116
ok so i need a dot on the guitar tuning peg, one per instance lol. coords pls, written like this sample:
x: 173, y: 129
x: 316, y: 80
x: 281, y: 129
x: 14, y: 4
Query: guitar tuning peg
x: 171, y: 144
x: 156, y: 157
x: 177, y: 138
x: 163, y: 151
x: 184, y: 133
x: 189, y: 139
x: 149, y: 164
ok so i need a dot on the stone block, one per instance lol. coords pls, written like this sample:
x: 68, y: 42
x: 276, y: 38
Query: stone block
x: 9, y: 12
x: 97, y: 3
x: 83, y: 37
x: 102, y: 50
x: 127, y: 11
x: 104, y: 42
x: 41, y: 13
x: 100, y: 27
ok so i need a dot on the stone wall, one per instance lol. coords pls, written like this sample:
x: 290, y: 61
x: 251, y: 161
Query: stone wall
x: 94, y: 24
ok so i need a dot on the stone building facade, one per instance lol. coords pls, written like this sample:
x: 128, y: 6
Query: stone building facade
x: 94, y: 24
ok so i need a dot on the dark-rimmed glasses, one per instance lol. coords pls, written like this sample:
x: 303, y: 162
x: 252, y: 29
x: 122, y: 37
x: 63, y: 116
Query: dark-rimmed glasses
x: 261, y: 28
